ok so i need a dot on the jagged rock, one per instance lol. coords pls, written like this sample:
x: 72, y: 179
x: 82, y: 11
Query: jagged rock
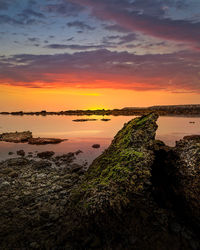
x: 128, y: 197
x: 16, y: 136
x: 186, y: 186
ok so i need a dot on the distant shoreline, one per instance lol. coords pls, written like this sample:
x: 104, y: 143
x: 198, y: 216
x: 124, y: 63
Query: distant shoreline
x: 161, y: 110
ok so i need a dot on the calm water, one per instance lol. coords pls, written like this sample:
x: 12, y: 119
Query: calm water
x: 82, y: 135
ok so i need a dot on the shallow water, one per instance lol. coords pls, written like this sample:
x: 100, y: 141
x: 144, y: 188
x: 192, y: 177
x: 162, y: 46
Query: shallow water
x: 82, y: 135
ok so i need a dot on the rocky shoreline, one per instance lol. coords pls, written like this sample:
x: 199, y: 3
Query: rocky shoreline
x: 139, y: 194
x: 186, y: 110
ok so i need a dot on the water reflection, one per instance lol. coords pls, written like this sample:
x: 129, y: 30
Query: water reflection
x: 82, y: 135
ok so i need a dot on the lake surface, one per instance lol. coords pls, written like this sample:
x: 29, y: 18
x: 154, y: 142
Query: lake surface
x: 82, y: 135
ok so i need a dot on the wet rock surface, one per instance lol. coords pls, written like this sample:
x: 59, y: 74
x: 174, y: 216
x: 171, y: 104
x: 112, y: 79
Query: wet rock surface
x: 139, y: 194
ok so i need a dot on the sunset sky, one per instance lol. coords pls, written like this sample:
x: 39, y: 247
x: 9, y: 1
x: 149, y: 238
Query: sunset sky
x: 87, y: 54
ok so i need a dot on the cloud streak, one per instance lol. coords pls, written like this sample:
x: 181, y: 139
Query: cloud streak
x: 80, y: 25
x: 126, y: 15
x: 104, y: 69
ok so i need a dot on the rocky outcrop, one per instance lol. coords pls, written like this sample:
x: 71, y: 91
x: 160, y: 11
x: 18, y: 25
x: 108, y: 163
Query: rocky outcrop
x: 26, y: 136
x: 16, y: 136
x: 139, y: 194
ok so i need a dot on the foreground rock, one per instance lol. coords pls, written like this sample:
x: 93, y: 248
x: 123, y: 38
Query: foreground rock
x: 139, y: 194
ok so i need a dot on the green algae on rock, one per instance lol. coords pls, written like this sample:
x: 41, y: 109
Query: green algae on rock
x: 122, y: 170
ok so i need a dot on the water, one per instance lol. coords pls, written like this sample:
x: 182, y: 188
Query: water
x: 82, y: 135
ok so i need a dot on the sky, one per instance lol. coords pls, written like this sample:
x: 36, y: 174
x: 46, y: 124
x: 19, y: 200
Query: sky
x: 92, y: 54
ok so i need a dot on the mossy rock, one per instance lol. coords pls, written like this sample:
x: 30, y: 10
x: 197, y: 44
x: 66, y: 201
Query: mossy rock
x: 121, y: 170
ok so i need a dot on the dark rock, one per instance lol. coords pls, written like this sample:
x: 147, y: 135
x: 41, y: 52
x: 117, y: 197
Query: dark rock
x: 84, y: 120
x: 21, y: 152
x: 192, y: 137
x: 10, y: 153
x: 75, y: 168
x: 78, y: 152
x: 13, y: 174
x: 105, y: 120
x: 41, y: 164
x: 43, y: 141
x: 16, y: 136
x: 4, y: 185
x: 45, y: 154
x: 96, y: 145
x: 65, y: 158
x: 17, y: 162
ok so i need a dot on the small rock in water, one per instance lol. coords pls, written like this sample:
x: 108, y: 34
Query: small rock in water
x: 21, y: 152
x: 96, y: 145
x: 43, y: 141
x: 83, y: 120
x: 105, y: 120
x: 78, y: 152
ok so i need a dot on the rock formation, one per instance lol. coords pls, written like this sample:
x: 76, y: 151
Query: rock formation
x: 16, y: 136
x: 139, y: 194
x: 26, y: 136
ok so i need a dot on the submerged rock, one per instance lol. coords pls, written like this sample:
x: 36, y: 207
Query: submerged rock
x: 105, y: 119
x: 139, y: 194
x: 43, y: 141
x: 96, y: 145
x: 84, y: 120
